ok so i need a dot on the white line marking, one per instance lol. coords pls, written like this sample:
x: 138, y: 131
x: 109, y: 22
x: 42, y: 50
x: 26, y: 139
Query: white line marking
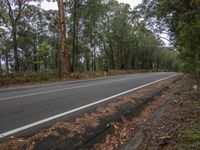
x: 76, y: 109
x: 58, y: 90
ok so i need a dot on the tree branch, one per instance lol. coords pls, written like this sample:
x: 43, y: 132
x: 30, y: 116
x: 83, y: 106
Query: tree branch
x: 10, y: 12
x: 20, y: 9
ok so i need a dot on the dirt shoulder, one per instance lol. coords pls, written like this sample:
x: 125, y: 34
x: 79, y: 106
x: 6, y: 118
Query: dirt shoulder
x: 178, y: 126
x: 170, y: 121
x: 87, y: 131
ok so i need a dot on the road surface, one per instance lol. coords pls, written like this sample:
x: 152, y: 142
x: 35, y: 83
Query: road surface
x: 25, y: 108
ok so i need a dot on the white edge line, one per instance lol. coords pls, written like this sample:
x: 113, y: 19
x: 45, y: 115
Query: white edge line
x: 76, y: 109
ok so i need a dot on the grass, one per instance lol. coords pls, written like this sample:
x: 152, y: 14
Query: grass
x: 191, y: 138
x: 11, y: 79
x: 190, y: 135
x: 26, y: 77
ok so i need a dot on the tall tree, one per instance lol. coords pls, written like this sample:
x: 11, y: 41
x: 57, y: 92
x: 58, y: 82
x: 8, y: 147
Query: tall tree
x: 63, y: 55
x: 13, y: 11
x: 75, y: 37
x: 182, y: 20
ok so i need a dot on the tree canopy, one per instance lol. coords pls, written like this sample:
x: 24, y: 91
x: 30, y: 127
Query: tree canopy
x: 181, y: 20
x: 100, y: 35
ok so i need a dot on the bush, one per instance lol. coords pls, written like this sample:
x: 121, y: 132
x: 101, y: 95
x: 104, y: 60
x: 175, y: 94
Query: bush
x: 26, y: 77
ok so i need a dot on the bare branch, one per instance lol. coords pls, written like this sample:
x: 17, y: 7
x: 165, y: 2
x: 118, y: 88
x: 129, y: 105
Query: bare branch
x: 10, y: 12
x: 20, y: 9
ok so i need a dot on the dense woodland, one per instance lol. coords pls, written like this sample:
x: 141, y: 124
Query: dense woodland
x: 92, y: 35
x: 180, y: 19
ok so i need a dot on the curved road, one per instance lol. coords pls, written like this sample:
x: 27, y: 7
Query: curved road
x: 28, y: 107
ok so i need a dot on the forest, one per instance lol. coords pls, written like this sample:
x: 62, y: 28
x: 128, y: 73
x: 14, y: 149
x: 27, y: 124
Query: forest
x: 98, y: 35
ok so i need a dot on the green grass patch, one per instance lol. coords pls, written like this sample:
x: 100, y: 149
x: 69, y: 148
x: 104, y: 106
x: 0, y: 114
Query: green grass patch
x: 191, y: 138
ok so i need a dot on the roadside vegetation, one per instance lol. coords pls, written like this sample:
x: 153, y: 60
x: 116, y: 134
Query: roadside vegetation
x: 101, y: 36
x: 181, y: 21
x: 107, y: 37
x: 30, y: 78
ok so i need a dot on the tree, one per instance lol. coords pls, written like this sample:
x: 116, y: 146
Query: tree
x: 45, y: 55
x: 63, y: 56
x: 75, y: 37
x: 13, y: 11
x: 181, y: 20
x: 102, y: 34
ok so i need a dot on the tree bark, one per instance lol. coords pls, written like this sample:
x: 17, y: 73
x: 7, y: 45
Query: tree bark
x: 14, y: 19
x: 15, y: 48
x: 35, y: 66
x: 63, y: 56
x: 74, y: 48
x: 94, y: 59
x: 112, y: 59
x: 7, y: 65
x: 0, y: 65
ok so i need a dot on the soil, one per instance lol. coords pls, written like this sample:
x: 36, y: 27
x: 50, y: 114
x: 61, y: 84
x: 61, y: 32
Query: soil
x: 178, y: 126
x: 171, y: 121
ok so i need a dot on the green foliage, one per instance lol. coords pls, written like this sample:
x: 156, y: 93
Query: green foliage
x: 108, y: 36
x: 191, y: 138
x: 45, y: 56
x: 182, y: 19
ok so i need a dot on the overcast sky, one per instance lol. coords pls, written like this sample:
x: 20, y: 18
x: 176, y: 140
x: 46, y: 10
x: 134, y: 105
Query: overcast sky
x: 52, y: 5
x: 132, y: 3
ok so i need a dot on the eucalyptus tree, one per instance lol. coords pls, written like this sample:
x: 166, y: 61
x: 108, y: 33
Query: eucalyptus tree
x: 63, y: 54
x: 11, y: 14
x: 100, y: 34
x: 93, y: 10
x: 182, y: 21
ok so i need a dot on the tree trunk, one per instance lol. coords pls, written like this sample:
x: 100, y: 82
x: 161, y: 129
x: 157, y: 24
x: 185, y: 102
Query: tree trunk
x: 63, y: 63
x: 94, y: 61
x: 0, y: 65
x: 7, y: 66
x: 14, y: 32
x: 14, y: 21
x: 55, y: 45
x: 112, y: 57
x: 74, y: 49
x: 35, y: 67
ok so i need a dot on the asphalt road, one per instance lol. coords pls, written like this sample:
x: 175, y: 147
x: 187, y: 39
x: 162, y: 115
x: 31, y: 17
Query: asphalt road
x: 22, y: 108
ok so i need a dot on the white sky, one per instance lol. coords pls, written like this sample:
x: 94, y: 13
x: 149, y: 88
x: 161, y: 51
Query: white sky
x: 132, y: 3
x: 53, y: 5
